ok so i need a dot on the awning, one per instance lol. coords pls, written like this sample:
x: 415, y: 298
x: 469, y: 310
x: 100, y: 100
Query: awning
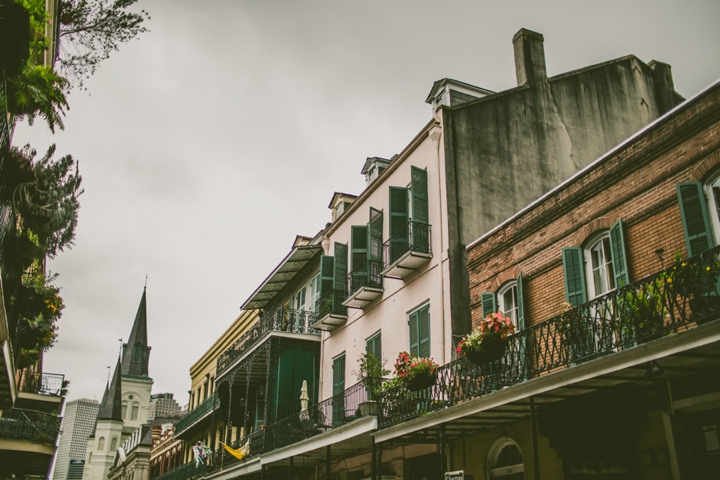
x: 290, y: 266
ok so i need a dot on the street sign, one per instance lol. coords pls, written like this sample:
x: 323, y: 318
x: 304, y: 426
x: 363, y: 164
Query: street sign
x: 456, y: 475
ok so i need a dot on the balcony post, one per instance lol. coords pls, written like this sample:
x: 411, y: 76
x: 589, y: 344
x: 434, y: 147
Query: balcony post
x: 328, y: 466
x: 231, y: 380
x: 268, y: 351
x: 443, y: 459
x: 248, y: 372
x: 290, y: 469
x: 373, y: 459
x: 533, y: 431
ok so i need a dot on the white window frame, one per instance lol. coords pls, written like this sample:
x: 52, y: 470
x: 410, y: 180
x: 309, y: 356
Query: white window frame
x: 500, y: 301
x: 603, y: 236
x: 711, y: 201
x: 314, y: 292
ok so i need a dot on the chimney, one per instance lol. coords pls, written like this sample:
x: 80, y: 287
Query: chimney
x: 529, y: 57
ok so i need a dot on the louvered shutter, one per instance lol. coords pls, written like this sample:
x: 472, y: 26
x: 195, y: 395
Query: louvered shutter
x: 488, y: 303
x: 424, y: 331
x: 418, y: 186
x: 573, y: 271
x: 341, y: 268
x: 414, y: 334
x: 695, y: 220
x: 327, y: 268
x: 374, y: 346
x: 398, y: 222
x: 619, y: 256
x: 338, y: 374
x: 375, y: 236
x: 359, y: 238
x: 520, y: 306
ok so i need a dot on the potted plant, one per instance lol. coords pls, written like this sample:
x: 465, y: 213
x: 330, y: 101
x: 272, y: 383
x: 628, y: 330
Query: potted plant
x: 488, y: 342
x: 371, y: 373
x: 642, y: 311
x: 576, y: 331
x: 696, y: 281
x: 416, y: 373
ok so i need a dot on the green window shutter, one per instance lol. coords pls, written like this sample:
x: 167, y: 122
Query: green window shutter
x: 375, y: 236
x: 573, y: 271
x: 424, y: 331
x: 695, y: 220
x: 619, y: 257
x: 414, y: 334
x: 488, y: 303
x: 338, y: 374
x: 359, y: 244
x: 374, y: 346
x: 327, y: 268
x: 520, y: 306
x: 341, y: 267
x: 398, y: 210
x: 419, y: 188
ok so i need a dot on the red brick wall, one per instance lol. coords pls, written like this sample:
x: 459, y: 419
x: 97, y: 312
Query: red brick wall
x: 636, y: 183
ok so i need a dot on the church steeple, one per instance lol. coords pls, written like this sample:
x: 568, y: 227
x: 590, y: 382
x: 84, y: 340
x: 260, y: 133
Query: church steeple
x: 111, y: 406
x: 136, y: 352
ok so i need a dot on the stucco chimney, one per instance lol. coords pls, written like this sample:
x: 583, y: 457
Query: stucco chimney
x: 529, y: 57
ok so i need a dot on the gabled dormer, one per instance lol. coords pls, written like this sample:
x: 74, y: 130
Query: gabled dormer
x: 373, y: 167
x: 339, y: 203
x: 451, y: 93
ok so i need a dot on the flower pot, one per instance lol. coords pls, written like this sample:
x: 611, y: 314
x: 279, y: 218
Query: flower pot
x: 369, y: 407
x: 419, y: 382
x: 490, y: 351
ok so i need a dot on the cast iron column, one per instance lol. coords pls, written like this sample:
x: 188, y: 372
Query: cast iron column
x: 533, y: 431
x: 443, y: 460
x: 373, y: 459
x: 290, y: 470
x: 328, y: 467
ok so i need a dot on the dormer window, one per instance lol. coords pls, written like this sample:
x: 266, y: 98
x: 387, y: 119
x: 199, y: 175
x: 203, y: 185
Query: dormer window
x: 373, y: 167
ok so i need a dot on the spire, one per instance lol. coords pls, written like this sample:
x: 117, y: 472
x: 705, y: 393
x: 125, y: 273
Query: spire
x: 136, y: 352
x: 111, y: 406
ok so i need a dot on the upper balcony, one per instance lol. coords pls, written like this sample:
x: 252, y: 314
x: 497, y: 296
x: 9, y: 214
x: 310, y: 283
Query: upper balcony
x: 43, y: 392
x: 281, y: 322
x: 407, y: 249
x: 365, y: 284
x: 665, y: 314
x: 331, y: 311
x: 197, y: 417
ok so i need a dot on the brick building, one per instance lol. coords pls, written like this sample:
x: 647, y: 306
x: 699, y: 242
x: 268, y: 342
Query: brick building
x: 618, y: 346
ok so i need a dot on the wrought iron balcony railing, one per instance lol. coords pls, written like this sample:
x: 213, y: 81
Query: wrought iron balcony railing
x: 331, y: 304
x: 280, y: 320
x: 413, y: 237
x: 41, y: 383
x: 367, y: 274
x: 184, y: 472
x: 208, y: 406
x: 29, y: 425
x: 679, y: 297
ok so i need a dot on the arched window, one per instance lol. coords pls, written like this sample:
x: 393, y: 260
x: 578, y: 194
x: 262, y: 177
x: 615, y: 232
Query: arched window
x: 505, y: 460
x: 135, y: 411
x: 113, y: 444
x: 508, y: 301
x: 599, y: 261
x: 124, y: 410
x: 101, y: 444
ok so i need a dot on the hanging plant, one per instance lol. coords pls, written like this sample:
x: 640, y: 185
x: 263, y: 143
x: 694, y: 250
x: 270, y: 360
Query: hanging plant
x: 38, y: 92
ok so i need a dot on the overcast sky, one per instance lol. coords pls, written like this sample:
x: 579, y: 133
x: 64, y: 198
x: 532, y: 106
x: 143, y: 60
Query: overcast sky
x: 209, y: 143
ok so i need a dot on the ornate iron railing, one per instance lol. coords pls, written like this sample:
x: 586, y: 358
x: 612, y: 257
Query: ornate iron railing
x: 413, y: 237
x: 367, y: 274
x: 319, y: 418
x: 187, y: 471
x: 280, y: 320
x: 208, y: 406
x: 29, y: 425
x: 331, y: 303
x: 41, y: 383
x: 677, y: 298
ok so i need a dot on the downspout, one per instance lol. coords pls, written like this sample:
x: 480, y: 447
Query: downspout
x: 435, y: 134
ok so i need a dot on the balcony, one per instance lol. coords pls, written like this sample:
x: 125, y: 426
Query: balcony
x: 49, y: 384
x: 364, y: 284
x: 407, y: 249
x: 667, y: 304
x: 331, y: 312
x: 184, y: 472
x: 31, y: 426
x: 281, y: 321
x: 197, y: 416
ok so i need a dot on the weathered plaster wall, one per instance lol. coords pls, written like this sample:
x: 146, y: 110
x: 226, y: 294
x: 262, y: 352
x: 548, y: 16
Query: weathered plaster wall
x: 506, y: 150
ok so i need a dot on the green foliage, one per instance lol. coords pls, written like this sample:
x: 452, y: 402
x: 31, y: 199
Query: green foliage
x: 48, y: 207
x: 641, y: 310
x: 39, y: 306
x: 90, y: 30
x: 38, y: 20
x: 371, y: 371
x: 38, y: 91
